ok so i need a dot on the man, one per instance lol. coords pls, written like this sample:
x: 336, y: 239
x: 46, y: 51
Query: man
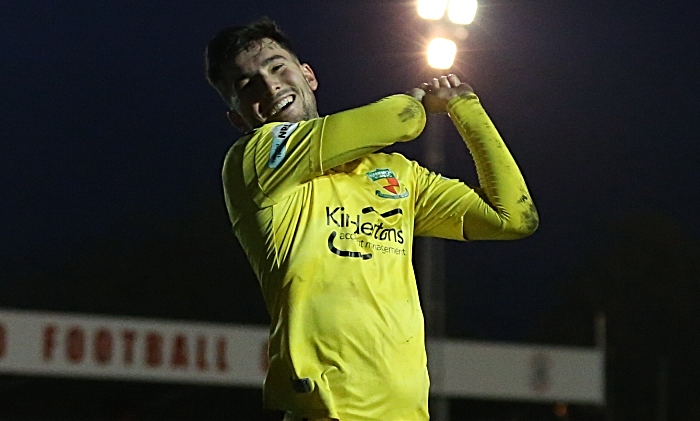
x: 328, y: 224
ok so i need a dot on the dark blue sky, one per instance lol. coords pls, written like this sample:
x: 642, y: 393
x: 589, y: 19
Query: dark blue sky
x: 105, y: 113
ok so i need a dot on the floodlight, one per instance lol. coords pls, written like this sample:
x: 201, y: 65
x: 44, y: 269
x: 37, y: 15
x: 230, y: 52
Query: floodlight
x: 431, y: 9
x: 462, y: 12
x: 441, y: 53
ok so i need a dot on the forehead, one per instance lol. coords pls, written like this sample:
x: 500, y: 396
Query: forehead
x: 257, y: 54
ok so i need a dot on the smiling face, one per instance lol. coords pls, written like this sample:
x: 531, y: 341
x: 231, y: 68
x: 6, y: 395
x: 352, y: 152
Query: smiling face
x: 269, y: 84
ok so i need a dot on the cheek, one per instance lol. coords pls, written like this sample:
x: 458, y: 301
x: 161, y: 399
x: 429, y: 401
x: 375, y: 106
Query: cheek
x: 249, y: 112
x: 251, y: 108
x: 249, y: 100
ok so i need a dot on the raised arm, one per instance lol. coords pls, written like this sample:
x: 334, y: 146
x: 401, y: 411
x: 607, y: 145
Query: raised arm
x: 504, y: 208
x: 357, y: 132
x: 279, y: 157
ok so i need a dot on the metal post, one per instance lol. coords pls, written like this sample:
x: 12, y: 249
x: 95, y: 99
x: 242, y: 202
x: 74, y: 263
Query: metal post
x: 602, y: 344
x: 432, y: 276
x: 662, y: 390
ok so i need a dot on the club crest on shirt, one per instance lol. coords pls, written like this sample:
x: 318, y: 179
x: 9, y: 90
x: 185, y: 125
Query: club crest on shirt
x: 390, y: 186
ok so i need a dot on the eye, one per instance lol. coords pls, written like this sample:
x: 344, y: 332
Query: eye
x: 277, y: 67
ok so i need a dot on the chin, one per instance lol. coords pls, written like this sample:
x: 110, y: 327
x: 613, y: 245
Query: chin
x: 287, y: 119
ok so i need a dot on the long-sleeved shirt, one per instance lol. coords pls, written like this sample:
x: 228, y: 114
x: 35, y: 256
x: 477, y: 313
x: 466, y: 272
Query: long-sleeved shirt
x: 328, y: 227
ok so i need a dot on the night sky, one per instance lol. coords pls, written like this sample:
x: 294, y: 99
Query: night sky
x: 105, y: 113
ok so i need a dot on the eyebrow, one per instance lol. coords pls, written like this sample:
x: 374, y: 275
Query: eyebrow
x: 265, y: 62
x: 273, y: 58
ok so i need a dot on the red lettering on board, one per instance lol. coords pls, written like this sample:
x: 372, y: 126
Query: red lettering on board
x: 202, y: 364
x: 221, y: 360
x: 75, y: 350
x: 129, y: 337
x: 49, y: 342
x: 154, y: 349
x: 103, y: 346
x: 179, y: 356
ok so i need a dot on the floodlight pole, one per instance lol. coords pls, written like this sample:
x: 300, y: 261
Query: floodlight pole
x: 432, y: 279
x: 432, y: 251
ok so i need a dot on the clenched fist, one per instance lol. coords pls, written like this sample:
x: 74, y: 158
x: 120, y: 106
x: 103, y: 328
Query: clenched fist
x: 438, y: 92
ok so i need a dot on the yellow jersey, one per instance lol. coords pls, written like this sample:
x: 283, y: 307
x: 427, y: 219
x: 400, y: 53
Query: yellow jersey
x: 328, y: 228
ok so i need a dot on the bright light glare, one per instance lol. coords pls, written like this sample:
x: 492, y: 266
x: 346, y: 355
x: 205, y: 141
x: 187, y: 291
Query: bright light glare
x: 431, y: 9
x: 462, y: 12
x: 441, y: 53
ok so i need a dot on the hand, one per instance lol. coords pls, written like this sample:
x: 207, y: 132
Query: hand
x: 438, y: 92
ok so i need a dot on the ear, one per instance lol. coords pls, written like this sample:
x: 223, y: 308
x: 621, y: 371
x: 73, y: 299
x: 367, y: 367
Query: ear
x: 237, y: 121
x: 309, y: 76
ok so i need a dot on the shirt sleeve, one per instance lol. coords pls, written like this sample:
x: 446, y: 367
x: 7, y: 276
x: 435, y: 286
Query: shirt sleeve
x: 501, y: 207
x: 280, y: 157
x: 440, y: 205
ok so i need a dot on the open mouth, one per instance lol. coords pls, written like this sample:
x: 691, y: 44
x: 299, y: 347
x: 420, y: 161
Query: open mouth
x: 280, y: 106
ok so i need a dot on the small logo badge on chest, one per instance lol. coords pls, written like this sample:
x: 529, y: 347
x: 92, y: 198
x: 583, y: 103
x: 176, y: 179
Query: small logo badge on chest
x: 390, y: 186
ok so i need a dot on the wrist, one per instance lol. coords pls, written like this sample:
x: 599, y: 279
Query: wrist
x: 467, y: 96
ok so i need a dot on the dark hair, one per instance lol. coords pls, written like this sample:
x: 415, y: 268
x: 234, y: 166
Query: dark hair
x: 228, y: 43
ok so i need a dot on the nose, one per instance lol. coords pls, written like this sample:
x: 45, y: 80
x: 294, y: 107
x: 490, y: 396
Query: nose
x: 272, y: 83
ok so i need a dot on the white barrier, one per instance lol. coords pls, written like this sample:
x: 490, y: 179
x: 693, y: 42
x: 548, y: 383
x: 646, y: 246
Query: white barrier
x: 89, y: 346
x: 516, y: 372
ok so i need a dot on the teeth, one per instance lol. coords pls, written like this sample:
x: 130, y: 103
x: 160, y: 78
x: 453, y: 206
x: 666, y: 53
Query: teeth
x: 281, y: 104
